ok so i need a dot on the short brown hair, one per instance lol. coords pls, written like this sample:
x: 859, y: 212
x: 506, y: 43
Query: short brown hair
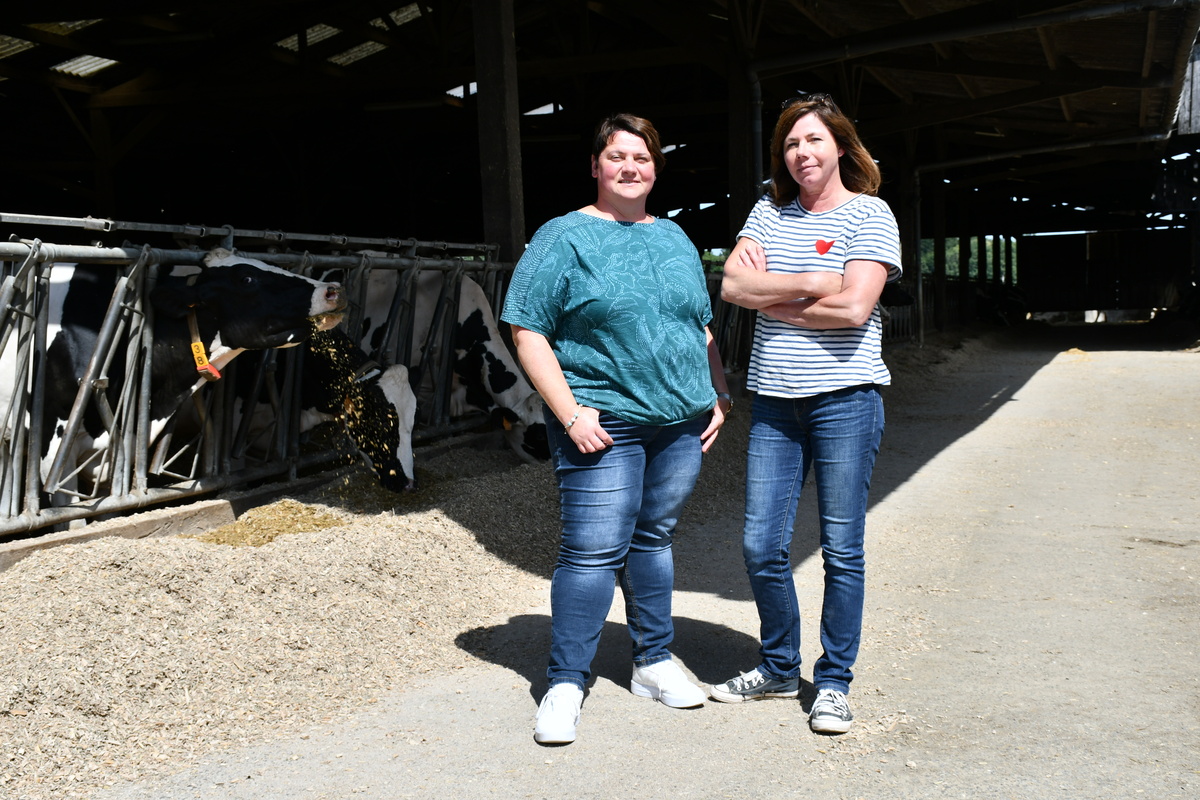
x: 858, y: 170
x: 642, y: 128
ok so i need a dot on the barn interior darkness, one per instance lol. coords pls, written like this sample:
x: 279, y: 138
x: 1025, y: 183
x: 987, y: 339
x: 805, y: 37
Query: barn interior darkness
x: 361, y: 117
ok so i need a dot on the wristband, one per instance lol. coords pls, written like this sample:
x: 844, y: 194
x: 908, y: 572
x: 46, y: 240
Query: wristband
x: 574, y: 417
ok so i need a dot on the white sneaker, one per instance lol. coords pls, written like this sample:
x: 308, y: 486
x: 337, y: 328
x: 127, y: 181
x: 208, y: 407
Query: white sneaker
x: 558, y: 714
x: 666, y: 682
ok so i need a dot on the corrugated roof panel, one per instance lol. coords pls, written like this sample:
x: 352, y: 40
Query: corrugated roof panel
x: 64, y: 28
x: 317, y: 33
x: 402, y: 15
x: 357, y: 53
x: 10, y: 46
x: 83, y: 66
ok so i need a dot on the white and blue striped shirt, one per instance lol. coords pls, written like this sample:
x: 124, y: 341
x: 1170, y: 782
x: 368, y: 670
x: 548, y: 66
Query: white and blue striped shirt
x: 791, y: 361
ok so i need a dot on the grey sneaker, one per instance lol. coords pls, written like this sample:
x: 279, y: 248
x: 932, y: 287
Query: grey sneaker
x: 830, y: 712
x: 558, y: 714
x: 753, y: 685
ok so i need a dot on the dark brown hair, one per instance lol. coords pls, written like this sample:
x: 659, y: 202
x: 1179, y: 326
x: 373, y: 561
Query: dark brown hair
x: 858, y: 170
x: 642, y: 128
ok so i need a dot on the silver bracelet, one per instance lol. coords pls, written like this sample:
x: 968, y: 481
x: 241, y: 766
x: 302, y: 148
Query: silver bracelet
x: 574, y: 417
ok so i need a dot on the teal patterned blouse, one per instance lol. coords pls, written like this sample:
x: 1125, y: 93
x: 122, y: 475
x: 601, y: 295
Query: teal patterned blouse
x: 624, y: 306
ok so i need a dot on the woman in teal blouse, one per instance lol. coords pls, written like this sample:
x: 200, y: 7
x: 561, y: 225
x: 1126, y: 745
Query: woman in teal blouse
x: 610, y: 317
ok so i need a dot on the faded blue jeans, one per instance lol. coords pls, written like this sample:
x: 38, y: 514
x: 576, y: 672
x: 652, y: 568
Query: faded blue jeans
x: 619, y: 510
x: 836, y: 434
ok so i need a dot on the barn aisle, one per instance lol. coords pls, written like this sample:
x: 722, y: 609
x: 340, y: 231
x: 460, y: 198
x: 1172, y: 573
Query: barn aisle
x: 1033, y: 557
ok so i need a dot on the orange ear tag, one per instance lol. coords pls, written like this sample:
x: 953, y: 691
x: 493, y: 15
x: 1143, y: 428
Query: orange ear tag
x: 206, y: 369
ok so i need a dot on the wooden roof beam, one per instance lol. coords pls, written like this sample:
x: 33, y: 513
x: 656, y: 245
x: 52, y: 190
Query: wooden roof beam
x: 1045, y: 36
x: 1147, y: 64
x: 822, y: 22
x: 997, y: 17
x: 925, y: 116
x: 1066, y: 73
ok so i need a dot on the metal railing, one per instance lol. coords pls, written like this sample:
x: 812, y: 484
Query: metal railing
x: 203, y: 448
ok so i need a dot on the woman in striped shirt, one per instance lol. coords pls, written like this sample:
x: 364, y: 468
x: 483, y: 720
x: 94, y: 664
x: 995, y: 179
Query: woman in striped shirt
x: 812, y: 258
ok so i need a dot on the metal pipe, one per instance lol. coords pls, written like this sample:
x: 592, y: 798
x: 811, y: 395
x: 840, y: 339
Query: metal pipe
x: 109, y: 225
x: 87, y: 385
x: 10, y: 251
x: 756, y: 132
x: 1033, y: 151
x: 130, y: 502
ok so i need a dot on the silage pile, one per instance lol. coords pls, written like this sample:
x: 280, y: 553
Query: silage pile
x: 125, y: 658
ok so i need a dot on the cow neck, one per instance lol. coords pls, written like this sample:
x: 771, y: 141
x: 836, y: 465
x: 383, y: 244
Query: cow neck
x: 207, y: 370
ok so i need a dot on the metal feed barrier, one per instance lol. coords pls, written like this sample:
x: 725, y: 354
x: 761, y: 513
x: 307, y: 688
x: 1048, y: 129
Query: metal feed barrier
x: 201, y: 451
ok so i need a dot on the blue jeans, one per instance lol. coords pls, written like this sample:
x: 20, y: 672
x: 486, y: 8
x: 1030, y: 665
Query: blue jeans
x: 836, y: 433
x: 619, y: 509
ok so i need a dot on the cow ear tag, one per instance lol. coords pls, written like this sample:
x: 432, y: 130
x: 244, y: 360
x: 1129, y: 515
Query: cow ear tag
x: 206, y: 370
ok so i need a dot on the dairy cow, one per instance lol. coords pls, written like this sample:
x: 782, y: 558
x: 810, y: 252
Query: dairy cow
x: 485, y: 375
x: 232, y: 304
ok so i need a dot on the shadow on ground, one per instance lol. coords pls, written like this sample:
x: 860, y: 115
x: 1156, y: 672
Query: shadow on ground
x: 517, y: 518
x: 714, y: 653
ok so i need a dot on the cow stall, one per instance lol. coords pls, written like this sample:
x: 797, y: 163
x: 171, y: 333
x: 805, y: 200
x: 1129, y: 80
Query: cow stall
x: 211, y: 442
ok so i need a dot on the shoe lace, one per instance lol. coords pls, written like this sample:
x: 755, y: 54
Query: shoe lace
x: 748, y: 680
x: 565, y: 700
x: 831, y: 701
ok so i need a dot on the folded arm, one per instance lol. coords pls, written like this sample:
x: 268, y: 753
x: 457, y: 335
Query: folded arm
x: 747, y: 283
x: 852, y: 306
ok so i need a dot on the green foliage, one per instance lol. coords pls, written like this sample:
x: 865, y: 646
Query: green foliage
x: 713, y: 260
x: 953, y: 261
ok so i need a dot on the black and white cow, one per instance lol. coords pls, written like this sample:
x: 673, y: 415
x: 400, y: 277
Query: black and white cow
x: 234, y: 304
x: 486, y: 376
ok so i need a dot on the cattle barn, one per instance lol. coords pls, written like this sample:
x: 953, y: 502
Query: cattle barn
x: 1034, y: 152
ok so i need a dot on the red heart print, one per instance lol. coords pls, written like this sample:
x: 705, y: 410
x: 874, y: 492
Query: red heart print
x: 823, y: 246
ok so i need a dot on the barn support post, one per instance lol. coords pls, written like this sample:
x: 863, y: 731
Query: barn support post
x: 966, y: 306
x: 997, y: 263
x: 939, y: 252
x: 910, y: 235
x: 1194, y: 231
x: 746, y: 113
x: 982, y: 272
x: 499, y: 124
x: 745, y: 129
x: 1009, y: 271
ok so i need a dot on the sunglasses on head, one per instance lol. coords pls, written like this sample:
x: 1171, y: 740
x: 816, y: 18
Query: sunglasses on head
x: 810, y: 98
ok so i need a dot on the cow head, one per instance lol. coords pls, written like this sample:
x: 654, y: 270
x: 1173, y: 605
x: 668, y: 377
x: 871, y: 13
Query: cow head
x: 376, y: 405
x: 379, y: 418
x: 253, y: 305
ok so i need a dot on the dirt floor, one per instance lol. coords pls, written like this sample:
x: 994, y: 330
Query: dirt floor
x: 1030, y: 631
